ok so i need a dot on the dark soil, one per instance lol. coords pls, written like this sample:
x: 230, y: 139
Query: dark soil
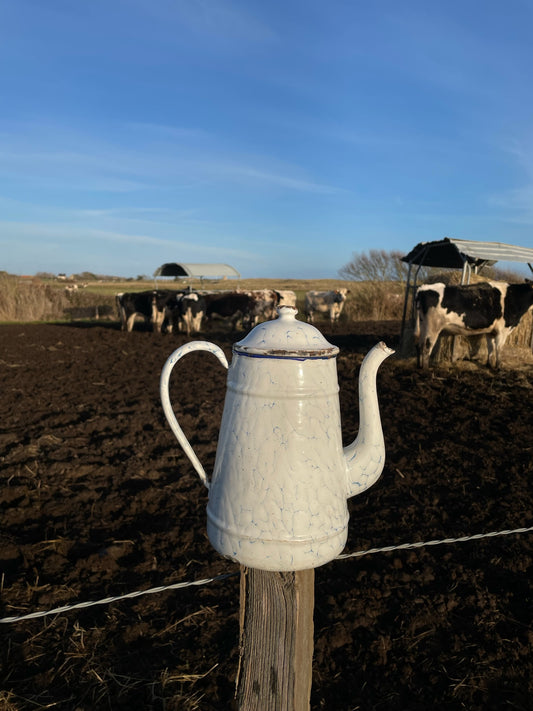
x: 98, y: 500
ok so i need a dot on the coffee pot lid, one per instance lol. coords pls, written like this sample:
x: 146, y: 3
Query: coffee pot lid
x: 285, y: 337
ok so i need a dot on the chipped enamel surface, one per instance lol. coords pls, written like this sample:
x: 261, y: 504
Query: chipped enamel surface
x: 286, y: 338
x: 277, y: 498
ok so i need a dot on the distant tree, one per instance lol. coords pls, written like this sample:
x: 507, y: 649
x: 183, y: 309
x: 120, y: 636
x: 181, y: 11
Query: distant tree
x: 85, y: 276
x: 378, y: 265
x: 375, y: 265
x: 498, y: 274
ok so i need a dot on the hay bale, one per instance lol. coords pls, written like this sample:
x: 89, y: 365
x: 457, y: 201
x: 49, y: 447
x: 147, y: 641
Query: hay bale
x: 453, y: 277
x: 522, y: 336
x: 450, y: 348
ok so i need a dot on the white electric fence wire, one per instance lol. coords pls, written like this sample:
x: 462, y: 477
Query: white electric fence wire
x: 108, y: 600
x: 421, y: 544
x: 205, y: 581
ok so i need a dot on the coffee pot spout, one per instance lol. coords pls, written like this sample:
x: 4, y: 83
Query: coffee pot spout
x: 365, y: 457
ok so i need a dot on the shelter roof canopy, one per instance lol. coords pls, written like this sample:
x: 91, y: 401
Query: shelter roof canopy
x: 453, y: 253
x: 173, y: 269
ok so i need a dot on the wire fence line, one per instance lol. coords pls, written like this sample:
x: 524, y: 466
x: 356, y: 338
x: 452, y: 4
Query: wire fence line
x: 438, y: 542
x: 206, y: 581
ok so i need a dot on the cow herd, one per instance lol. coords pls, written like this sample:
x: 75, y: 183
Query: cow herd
x: 166, y: 309
x: 490, y: 308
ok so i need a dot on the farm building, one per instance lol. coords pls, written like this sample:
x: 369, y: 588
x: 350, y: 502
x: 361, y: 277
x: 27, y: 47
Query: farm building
x: 198, y: 271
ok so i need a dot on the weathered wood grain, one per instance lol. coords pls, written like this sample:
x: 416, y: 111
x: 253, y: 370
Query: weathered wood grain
x: 276, y: 640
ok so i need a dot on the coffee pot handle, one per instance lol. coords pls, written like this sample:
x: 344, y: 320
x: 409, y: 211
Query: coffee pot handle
x: 165, y: 397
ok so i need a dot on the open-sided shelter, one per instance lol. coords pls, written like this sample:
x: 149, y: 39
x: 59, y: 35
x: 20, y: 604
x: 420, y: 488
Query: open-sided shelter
x: 467, y: 255
x: 198, y: 271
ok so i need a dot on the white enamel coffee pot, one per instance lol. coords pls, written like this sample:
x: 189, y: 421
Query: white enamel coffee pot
x: 277, y: 498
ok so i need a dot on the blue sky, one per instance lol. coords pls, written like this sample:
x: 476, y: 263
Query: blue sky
x: 280, y: 137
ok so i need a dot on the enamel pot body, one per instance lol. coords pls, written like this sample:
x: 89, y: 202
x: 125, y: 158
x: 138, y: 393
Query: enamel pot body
x: 277, y: 499
x: 278, y: 493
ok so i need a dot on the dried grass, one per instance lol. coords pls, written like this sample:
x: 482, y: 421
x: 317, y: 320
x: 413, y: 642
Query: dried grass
x: 8, y: 702
x: 32, y: 300
x: 182, y: 698
x: 29, y: 300
x: 374, y: 301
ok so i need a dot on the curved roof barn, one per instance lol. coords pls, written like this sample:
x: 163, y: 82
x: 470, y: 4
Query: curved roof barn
x: 199, y: 271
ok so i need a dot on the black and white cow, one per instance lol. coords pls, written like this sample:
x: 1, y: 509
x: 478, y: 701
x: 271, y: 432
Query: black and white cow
x: 330, y: 302
x: 189, y: 311
x: 154, y: 306
x: 490, y: 308
x: 232, y: 306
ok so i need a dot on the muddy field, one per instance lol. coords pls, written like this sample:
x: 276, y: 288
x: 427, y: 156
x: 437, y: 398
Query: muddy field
x: 97, y: 500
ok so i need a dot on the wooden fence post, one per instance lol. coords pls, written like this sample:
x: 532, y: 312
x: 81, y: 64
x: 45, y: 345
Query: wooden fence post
x: 276, y: 640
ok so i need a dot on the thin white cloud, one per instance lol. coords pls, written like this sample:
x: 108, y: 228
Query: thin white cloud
x: 132, y: 213
x: 87, y: 240
x: 106, y: 166
x: 276, y: 179
x: 521, y: 149
x: 517, y: 204
x: 212, y: 19
x: 517, y: 198
x: 72, y: 233
x: 150, y: 130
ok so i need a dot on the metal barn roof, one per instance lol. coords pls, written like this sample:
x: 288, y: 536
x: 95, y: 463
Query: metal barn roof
x: 200, y: 271
x: 455, y: 253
